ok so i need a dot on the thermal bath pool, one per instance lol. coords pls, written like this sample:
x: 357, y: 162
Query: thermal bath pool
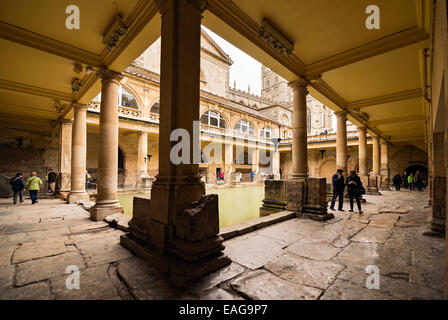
x: 236, y: 204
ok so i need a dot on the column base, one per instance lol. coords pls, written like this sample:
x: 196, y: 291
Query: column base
x: 99, y: 212
x: 179, y: 271
x: 77, y: 196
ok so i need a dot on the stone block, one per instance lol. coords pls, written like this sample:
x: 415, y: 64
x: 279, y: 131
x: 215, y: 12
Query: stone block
x: 438, y: 204
x: 295, y: 194
x: 199, y: 221
x: 316, y: 196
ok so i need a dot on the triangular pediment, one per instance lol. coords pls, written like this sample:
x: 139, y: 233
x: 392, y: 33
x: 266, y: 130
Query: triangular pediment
x: 213, y: 48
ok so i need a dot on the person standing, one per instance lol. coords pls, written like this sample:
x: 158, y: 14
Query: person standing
x: 418, y: 180
x: 280, y: 172
x: 252, y: 175
x: 88, y: 177
x: 354, y: 186
x: 397, y: 180
x: 18, y: 185
x: 411, y: 181
x: 51, y: 179
x: 33, y: 184
x: 404, y: 177
x: 337, y: 181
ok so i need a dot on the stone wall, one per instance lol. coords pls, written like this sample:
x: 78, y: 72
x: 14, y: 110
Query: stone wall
x: 23, y: 151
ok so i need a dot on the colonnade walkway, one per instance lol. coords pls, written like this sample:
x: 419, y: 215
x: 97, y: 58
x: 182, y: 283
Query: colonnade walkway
x: 294, y: 259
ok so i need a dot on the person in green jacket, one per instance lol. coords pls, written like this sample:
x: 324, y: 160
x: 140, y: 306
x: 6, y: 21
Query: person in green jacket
x: 33, y: 184
x: 411, y: 181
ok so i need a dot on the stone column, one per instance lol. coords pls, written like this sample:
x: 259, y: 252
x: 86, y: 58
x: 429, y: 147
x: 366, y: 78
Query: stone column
x: 276, y: 164
x: 228, y: 158
x: 142, y: 154
x: 79, y: 152
x: 178, y: 228
x: 363, y: 174
x: 64, y: 159
x: 107, y: 201
x: 300, y: 133
x: 439, y: 183
x: 341, y: 141
x: 255, y: 159
x: 385, y: 171
x: 375, y: 178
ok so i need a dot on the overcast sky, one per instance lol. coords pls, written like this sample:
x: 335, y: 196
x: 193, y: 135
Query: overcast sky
x: 245, y: 70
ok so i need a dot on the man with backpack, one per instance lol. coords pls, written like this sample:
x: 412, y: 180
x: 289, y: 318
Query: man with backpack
x: 18, y: 185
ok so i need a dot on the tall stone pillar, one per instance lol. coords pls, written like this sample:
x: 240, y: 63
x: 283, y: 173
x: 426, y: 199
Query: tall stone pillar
x: 255, y: 159
x: 177, y: 229
x: 438, y: 184
x: 142, y: 154
x: 296, y: 191
x: 107, y: 201
x: 64, y: 159
x: 363, y: 174
x: 299, y: 130
x: 228, y: 159
x: 79, y: 153
x: 341, y: 141
x: 375, y: 178
x: 276, y: 164
x: 384, y: 170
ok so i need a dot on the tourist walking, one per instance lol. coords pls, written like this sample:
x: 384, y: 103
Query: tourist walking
x: 252, y: 175
x: 33, y: 185
x: 418, y: 180
x: 404, y: 177
x: 88, y: 177
x: 397, y: 181
x: 51, y: 180
x: 354, y: 186
x: 337, y: 181
x: 411, y: 181
x: 18, y: 185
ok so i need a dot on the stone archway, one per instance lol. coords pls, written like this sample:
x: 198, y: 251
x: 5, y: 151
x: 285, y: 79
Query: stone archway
x: 327, y: 169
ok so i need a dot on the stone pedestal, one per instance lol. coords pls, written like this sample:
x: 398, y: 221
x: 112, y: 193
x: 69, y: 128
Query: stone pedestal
x: 235, y: 177
x: 274, y: 197
x: 385, y: 179
x: 62, y: 185
x: 438, y: 205
x: 372, y: 187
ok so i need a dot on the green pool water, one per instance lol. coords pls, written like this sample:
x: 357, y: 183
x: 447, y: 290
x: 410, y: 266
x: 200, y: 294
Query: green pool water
x: 236, y: 205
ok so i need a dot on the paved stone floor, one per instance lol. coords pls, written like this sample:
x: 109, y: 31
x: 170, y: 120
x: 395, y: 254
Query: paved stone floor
x: 294, y: 259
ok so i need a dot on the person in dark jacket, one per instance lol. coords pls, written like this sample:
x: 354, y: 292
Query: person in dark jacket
x: 18, y: 185
x: 51, y: 179
x: 404, y: 177
x: 418, y: 180
x: 397, y: 180
x: 354, y: 186
x: 338, y: 189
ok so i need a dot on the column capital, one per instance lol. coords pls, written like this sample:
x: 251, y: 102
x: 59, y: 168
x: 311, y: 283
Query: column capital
x: 80, y: 106
x: 362, y: 129
x: 299, y: 83
x: 109, y: 75
x: 200, y: 5
x: 341, y: 113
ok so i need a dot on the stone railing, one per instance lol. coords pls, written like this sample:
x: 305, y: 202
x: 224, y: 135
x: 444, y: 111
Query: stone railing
x: 323, y: 137
x: 122, y: 111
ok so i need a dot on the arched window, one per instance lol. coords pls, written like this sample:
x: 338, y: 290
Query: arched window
x: 213, y: 118
x: 266, y: 132
x: 125, y: 98
x: 244, y: 126
x: 155, y: 107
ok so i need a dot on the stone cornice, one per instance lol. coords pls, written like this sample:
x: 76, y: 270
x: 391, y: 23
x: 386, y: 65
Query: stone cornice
x: 409, y: 118
x: 341, y: 113
x: 42, y: 92
x: 368, y: 50
x: 396, y: 96
x: 236, y: 18
x: 109, y: 75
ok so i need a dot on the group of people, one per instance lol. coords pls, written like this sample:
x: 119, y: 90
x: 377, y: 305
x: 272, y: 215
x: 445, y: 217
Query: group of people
x: 410, y: 181
x: 33, y: 184
x: 355, y: 189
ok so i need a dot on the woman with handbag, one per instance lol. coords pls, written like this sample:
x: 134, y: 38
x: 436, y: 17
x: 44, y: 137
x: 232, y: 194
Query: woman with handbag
x: 355, y: 189
x: 33, y: 185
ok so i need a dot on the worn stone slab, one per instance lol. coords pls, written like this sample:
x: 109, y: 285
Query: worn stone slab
x: 262, y: 285
x: 95, y: 235
x: 384, y: 221
x: 344, y: 290
x: 359, y: 254
x: 6, y: 253
x: 313, y: 250
x: 286, y: 238
x: 137, y: 273
x: 50, y: 233
x: 319, y: 274
x: 372, y: 234
x: 94, y: 284
x: 219, y: 294
x: 158, y: 290
x: 39, y: 249
x: 87, y: 227
x: 35, y: 291
x: 6, y: 276
x: 253, y: 251
x: 46, y: 268
x: 102, y: 250
x: 217, y: 277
